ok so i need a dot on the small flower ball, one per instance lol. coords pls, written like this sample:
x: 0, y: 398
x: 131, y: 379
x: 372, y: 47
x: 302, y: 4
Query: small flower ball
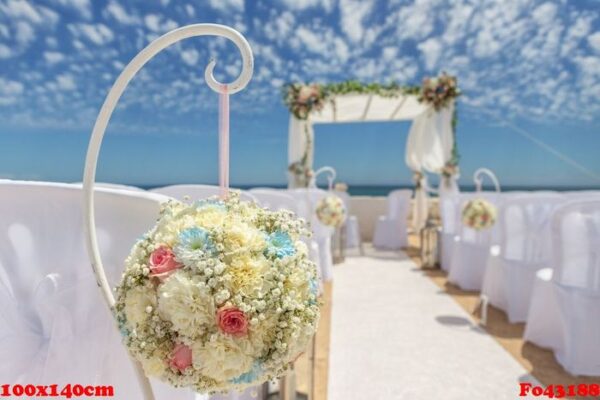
x: 331, y: 211
x: 479, y: 214
x: 220, y: 295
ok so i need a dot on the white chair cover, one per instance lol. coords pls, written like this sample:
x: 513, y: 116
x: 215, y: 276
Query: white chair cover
x: 525, y: 248
x: 54, y: 325
x: 391, y: 231
x: 576, y: 284
x: 471, y: 248
x: 450, y: 215
x: 196, y: 192
x: 307, y: 200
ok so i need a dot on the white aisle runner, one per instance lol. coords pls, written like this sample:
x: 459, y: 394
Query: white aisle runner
x: 395, y: 335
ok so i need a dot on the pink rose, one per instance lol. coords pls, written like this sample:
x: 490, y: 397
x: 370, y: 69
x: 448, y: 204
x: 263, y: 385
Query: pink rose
x: 181, y: 357
x: 306, y: 92
x: 162, y: 262
x: 232, y: 321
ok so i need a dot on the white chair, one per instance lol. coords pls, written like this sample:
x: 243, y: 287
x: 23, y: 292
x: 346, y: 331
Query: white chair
x: 391, y: 231
x: 351, y: 225
x: 524, y: 231
x: 565, y: 306
x: 54, y: 324
x: 471, y: 247
x: 450, y: 215
x: 307, y: 200
x: 275, y: 199
x: 118, y: 186
x: 196, y: 192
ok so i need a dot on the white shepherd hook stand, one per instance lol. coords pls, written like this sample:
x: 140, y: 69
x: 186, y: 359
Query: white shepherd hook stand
x: 106, y: 111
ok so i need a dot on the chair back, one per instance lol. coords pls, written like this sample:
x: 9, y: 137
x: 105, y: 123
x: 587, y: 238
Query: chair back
x: 275, y: 200
x: 576, y: 245
x: 196, y: 192
x: 524, y: 227
x: 54, y: 323
x: 398, y: 204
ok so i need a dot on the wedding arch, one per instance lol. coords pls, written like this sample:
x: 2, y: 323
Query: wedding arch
x: 430, y: 146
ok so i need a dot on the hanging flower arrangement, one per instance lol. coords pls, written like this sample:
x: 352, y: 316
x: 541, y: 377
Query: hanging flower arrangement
x: 450, y: 170
x: 303, y: 99
x: 479, y: 214
x: 331, y: 211
x: 439, y: 92
x: 219, y: 295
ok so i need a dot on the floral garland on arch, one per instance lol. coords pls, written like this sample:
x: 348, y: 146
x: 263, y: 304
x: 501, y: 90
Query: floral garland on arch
x: 219, y: 295
x: 303, y: 99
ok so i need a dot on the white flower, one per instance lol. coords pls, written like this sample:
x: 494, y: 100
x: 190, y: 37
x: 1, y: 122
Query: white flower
x: 138, y: 299
x: 223, y: 358
x: 153, y: 365
x: 187, y: 304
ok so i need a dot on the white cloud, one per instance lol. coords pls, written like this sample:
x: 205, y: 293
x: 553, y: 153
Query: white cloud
x: 327, y: 5
x: 577, y: 31
x: 21, y: 9
x: 190, y: 57
x: 227, y: 5
x: 83, y: 7
x: 280, y: 27
x: 353, y: 13
x: 313, y: 42
x: 594, y: 41
x: 51, y: 42
x: 66, y: 82
x: 155, y: 24
x: 53, y: 57
x: 389, y: 53
x: 99, y: 34
x: 24, y: 33
x: 5, y: 51
x: 431, y: 50
x: 189, y: 9
x: 414, y: 21
x: 544, y: 14
x: 4, y: 31
x: 116, y: 11
x: 9, y: 91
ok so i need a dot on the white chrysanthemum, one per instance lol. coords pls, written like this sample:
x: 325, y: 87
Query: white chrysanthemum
x: 221, y: 359
x: 153, y: 365
x: 240, y: 236
x: 187, y: 304
x: 137, y: 301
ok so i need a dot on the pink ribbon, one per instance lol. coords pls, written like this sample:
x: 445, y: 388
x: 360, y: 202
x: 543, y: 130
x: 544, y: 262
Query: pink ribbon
x: 224, y: 142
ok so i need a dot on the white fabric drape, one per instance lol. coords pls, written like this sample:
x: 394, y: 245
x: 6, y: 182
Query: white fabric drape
x: 430, y: 140
x: 301, y: 135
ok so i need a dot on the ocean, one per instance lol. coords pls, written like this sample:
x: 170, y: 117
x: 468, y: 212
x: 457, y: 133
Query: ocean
x: 384, y: 190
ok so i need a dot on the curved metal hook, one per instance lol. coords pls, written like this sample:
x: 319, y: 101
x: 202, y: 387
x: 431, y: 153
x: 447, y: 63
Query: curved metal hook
x: 478, y: 179
x: 330, y: 178
x: 106, y: 111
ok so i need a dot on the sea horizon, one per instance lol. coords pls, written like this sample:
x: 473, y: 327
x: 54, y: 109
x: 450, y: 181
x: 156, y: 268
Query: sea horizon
x: 384, y: 190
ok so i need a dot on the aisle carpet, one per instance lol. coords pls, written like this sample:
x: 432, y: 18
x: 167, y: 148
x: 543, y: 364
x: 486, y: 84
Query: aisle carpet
x: 395, y: 335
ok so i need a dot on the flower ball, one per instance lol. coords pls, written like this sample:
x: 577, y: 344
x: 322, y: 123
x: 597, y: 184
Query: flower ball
x: 331, y: 211
x: 479, y: 214
x: 219, y: 295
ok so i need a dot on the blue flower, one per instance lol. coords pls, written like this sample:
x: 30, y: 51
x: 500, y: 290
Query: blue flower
x: 280, y: 245
x: 249, y: 377
x: 122, y: 324
x: 194, y: 244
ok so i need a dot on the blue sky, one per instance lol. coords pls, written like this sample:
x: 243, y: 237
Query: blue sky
x: 527, y: 68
